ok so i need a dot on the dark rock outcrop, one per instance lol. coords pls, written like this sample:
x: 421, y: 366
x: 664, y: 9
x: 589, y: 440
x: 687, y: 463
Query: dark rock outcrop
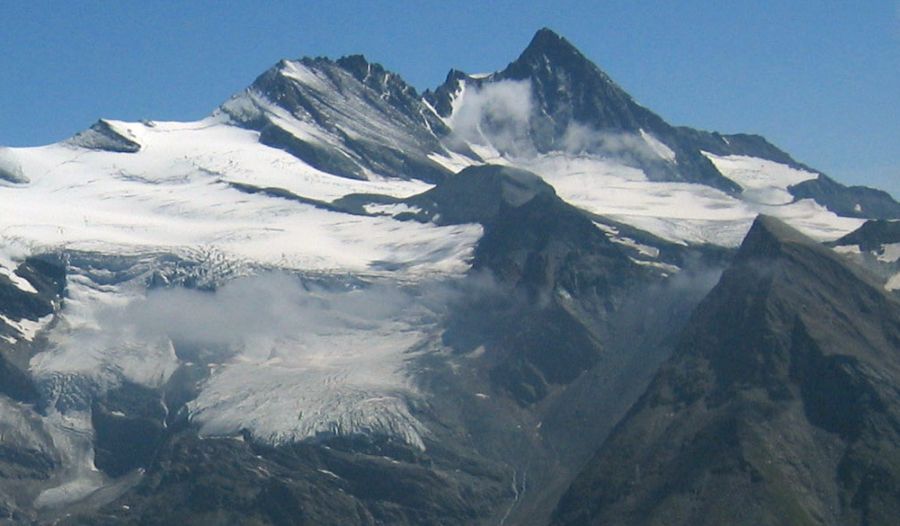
x: 102, y: 135
x: 848, y: 201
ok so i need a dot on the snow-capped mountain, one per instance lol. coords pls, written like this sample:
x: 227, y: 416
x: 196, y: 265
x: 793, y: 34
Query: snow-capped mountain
x: 334, y: 279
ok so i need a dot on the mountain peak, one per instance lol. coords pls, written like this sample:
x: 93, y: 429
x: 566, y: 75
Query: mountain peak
x: 768, y: 237
x: 547, y: 45
x: 545, y: 36
x: 546, y: 39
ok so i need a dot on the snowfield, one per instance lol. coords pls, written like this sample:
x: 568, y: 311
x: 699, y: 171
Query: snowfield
x: 174, y: 194
x: 685, y: 212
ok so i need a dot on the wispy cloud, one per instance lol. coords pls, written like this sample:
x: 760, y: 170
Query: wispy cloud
x: 629, y: 148
x: 497, y: 114
x: 501, y: 114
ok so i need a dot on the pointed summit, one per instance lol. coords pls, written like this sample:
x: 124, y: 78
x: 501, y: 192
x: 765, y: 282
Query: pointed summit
x: 548, y: 51
x: 570, y: 88
x: 769, y: 236
x: 547, y: 35
x: 547, y: 43
x: 770, y: 242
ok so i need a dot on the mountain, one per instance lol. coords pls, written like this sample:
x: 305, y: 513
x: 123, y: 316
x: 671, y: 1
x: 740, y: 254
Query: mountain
x: 336, y: 300
x: 778, y: 406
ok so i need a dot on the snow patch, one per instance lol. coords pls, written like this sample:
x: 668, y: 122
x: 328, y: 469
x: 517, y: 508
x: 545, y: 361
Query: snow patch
x: 763, y: 181
x: 391, y: 209
x: 8, y: 267
x: 453, y: 161
x: 658, y: 147
x: 300, y: 73
x: 679, y: 212
x: 613, y: 235
x: 848, y: 249
x: 893, y: 283
x: 26, y: 328
x: 667, y: 268
x: 890, y: 253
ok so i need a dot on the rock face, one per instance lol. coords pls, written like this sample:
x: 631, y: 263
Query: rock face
x: 779, y: 404
x: 479, y: 194
x: 106, y: 136
x: 872, y: 235
x: 231, y: 481
x: 850, y: 201
x: 347, y: 117
x: 28, y: 457
x: 34, y: 295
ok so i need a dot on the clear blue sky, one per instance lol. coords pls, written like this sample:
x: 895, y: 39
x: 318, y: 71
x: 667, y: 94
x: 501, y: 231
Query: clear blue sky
x: 819, y: 78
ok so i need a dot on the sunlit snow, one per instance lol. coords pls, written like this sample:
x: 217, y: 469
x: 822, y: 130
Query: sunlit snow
x: 174, y: 195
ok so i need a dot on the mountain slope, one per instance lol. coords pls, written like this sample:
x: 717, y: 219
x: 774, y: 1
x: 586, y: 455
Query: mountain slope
x: 779, y: 404
x: 346, y: 117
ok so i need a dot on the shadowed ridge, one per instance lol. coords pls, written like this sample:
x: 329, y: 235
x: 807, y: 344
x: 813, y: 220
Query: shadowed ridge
x: 778, y: 406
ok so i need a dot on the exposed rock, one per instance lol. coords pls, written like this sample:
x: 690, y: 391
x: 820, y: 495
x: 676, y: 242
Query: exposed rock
x: 779, y: 404
x: 106, y: 136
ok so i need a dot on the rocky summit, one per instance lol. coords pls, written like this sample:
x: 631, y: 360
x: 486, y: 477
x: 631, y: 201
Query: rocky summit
x: 518, y: 298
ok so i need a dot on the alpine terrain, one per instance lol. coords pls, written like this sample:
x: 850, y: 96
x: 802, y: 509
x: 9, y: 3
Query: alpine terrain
x: 517, y: 298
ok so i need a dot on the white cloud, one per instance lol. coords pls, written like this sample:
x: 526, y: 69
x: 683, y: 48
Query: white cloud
x: 628, y: 148
x: 497, y: 115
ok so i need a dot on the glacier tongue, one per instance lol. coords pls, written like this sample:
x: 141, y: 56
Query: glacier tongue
x: 338, y: 367
x: 287, y: 359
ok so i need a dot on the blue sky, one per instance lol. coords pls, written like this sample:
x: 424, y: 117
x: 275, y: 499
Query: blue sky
x: 820, y: 78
